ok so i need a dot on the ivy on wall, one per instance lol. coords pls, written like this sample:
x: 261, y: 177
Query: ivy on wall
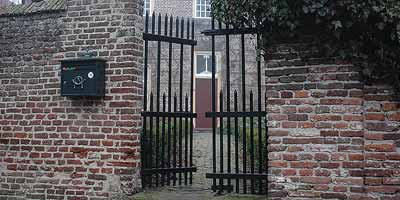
x: 364, y: 31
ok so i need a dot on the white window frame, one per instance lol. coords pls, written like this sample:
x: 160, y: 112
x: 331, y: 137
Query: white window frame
x: 151, y: 8
x: 195, y: 10
x: 217, y: 63
x: 17, y: 2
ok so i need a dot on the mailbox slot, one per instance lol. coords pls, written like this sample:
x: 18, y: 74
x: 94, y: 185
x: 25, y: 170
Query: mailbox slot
x: 83, y: 77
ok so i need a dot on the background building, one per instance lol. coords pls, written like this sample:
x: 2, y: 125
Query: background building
x: 15, y: 2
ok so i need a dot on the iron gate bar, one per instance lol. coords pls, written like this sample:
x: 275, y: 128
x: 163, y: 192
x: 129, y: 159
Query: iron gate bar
x: 171, y: 22
x: 144, y: 134
x: 243, y: 60
x: 159, y: 167
x: 228, y: 31
x: 228, y: 102
x: 191, y: 103
x: 259, y: 90
x: 158, y: 94
x: 180, y: 100
x: 213, y: 100
x: 236, y: 140
x: 163, y: 140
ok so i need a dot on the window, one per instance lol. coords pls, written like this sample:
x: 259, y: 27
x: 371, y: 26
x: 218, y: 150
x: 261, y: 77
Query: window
x: 15, y: 2
x: 203, y: 8
x: 203, y: 62
x: 147, y: 7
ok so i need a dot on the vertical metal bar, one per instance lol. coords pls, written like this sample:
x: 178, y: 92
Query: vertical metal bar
x: 163, y: 140
x: 244, y: 134
x: 164, y: 137
x: 151, y: 141
x: 144, y: 135
x: 260, y: 143
x: 188, y: 28
x: 186, y: 137
x: 214, y: 105
x: 221, y: 141
x: 191, y: 102
x: 236, y: 140
x: 157, y: 145
x: 228, y: 102
x: 153, y: 23
x: 252, y: 142
x: 181, y: 100
x: 175, y: 136
x: 266, y: 143
x: 171, y: 19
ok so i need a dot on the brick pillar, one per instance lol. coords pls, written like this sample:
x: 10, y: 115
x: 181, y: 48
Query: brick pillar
x: 53, y: 147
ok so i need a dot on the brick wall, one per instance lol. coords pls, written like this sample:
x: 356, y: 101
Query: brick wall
x: 54, y: 147
x: 182, y: 8
x: 331, y: 136
x: 382, y: 142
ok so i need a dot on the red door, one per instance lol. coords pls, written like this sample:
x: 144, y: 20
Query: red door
x: 203, y: 103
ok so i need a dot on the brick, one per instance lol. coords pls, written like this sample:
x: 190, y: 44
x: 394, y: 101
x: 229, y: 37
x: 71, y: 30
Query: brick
x: 297, y: 117
x: 375, y: 116
x: 337, y: 93
x: 302, y: 94
x: 334, y: 196
x: 380, y: 147
x: 315, y: 180
x: 394, y: 117
x: 391, y: 106
x: 286, y: 94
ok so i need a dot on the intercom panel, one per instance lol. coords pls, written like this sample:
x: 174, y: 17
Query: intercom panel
x: 83, y: 77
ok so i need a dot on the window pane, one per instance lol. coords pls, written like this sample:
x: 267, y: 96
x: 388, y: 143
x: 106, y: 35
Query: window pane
x: 209, y: 64
x: 203, y: 8
x: 201, y: 64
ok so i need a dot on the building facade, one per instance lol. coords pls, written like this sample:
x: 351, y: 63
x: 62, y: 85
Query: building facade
x: 199, y: 12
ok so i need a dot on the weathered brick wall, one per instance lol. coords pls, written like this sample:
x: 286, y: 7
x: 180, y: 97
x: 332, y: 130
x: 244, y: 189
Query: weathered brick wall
x: 54, y: 147
x: 181, y: 8
x: 382, y: 142
x: 321, y: 132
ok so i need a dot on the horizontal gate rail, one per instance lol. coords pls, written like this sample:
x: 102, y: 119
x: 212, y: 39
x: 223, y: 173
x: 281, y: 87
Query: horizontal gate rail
x: 161, y: 38
x: 217, y: 32
x: 169, y: 114
x: 169, y: 170
x: 236, y: 114
x: 235, y: 176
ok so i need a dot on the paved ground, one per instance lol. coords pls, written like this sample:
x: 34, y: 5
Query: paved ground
x: 200, y: 190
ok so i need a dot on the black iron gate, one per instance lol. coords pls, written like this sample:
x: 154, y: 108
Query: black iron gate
x: 167, y: 136
x: 242, y: 127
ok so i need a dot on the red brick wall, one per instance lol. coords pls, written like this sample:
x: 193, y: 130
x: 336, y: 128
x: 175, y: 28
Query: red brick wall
x: 321, y: 129
x: 382, y: 142
x: 53, y: 147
